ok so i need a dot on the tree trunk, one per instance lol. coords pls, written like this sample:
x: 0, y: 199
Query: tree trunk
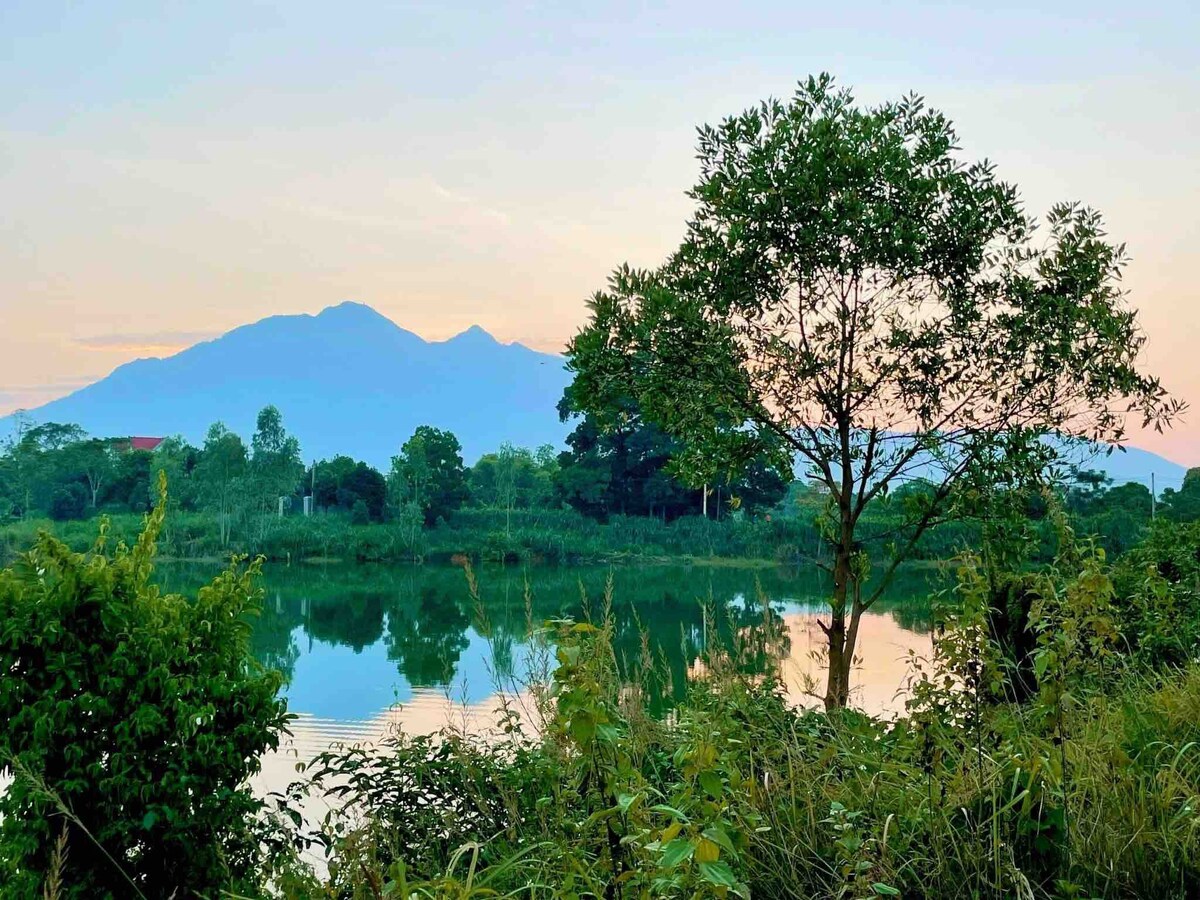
x: 837, y: 690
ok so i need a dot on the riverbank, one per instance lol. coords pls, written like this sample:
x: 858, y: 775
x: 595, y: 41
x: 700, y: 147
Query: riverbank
x: 1061, y: 767
x: 529, y: 536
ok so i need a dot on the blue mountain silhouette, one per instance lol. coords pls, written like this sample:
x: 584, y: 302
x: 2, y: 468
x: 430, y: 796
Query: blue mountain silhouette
x: 348, y: 380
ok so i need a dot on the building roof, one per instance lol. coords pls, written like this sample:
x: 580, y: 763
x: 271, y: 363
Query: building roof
x: 144, y: 443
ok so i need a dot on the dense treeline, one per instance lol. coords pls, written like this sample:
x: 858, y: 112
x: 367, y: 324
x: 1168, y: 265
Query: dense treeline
x: 609, y: 495
x: 56, y: 471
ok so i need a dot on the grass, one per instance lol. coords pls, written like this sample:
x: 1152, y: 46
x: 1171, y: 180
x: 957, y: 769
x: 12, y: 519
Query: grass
x: 525, y: 535
x: 1088, y: 788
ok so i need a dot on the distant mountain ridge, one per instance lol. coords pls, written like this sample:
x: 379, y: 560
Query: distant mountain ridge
x: 347, y: 380
x: 350, y: 380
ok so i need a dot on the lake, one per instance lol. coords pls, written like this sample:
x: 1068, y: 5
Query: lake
x: 368, y: 647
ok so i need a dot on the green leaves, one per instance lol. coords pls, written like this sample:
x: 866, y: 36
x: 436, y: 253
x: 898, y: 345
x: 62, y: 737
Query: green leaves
x: 141, y: 713
x: 853, y: 294
x: 676, y: 852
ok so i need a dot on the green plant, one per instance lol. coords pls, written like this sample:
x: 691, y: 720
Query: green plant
x: 133, y: 719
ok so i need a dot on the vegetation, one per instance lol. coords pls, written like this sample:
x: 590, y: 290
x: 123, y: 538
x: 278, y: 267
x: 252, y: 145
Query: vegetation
x: 1087, y: 784
x: 519, y: 505
x: 1089, y: 789
x: 849, y: 291
x: 132, y: 720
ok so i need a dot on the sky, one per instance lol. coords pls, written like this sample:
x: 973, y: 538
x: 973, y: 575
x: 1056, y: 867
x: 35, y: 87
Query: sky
x: 170, y: 171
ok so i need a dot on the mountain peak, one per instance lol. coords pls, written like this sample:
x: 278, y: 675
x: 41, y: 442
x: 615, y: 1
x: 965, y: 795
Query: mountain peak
x: 352, y: 309
x: 474, y: 334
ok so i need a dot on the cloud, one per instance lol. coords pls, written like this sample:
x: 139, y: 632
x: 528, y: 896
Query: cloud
x: 489, y: 213
x: 144, y: 342
x: 28, y: 396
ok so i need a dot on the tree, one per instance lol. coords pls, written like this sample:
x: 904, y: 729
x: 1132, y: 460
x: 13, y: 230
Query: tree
x: 275, y: 466
x: 178, y: 459
x: 850, y: 291
x: 618, y: 462
x: 326, y: 477
x: 429, y: 472
x: 1183, y: 505
x: 95, y: 461
x: 513, y: 478
x: 139, y: 712
x: 339, y: 483
x: 69, y: 502
x: 509, y: 463
x: 366, y: 485
x: 33, y: 458
x: 220, y: 477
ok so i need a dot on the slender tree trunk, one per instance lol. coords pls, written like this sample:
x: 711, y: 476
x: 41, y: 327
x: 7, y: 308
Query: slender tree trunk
x: 837, y: 690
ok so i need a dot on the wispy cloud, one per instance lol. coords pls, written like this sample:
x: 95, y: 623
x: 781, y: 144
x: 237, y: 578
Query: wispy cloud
x: 457, y: 198
x: 144, y: 342
x: 26, y: 396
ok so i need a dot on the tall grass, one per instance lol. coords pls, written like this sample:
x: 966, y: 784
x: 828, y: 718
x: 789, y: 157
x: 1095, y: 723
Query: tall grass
x: 1091, y: 788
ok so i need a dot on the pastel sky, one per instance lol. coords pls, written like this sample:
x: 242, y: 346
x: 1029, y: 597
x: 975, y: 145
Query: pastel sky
x: 170, y: 171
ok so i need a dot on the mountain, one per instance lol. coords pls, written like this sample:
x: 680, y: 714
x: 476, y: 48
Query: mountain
x: 350, y: 380
x: 347, y: 380
x: 1130, y: 464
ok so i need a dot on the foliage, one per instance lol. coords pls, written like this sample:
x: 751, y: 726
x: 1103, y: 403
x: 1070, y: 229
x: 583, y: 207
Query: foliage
x: 133, y: 720
x: 275, y: 465
x: 852, y: 292
x: 1090, y: 786
x: 1184, y: 505
x: 429, y: 472
x: 514, y: 478
x: 618, y: 462
x: 1158, y: 595
x: 219, y: 477
x: 341, y: 482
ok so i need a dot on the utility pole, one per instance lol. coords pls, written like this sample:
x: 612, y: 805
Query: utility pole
x: 706, y: 500
x: 311, y: 499
x: 1153, y: 499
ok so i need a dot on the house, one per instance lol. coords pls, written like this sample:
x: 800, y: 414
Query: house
x: 125, y: 445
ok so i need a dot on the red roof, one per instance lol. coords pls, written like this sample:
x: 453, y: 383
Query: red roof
x: 144, y: 443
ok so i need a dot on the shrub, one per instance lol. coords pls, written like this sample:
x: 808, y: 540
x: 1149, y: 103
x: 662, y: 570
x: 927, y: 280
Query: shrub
x: 132, y: 719
x: 69, y: 502
x: 1158, y: 583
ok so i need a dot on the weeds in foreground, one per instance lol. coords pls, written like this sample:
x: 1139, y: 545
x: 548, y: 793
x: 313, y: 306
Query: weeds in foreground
x: 1070, y: 771
x: 1088, y: 788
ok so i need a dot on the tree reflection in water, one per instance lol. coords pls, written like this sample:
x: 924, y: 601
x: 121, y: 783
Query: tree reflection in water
x: 422, y: 620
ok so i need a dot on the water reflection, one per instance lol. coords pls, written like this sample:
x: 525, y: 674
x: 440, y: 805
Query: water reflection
x: 354, y: 641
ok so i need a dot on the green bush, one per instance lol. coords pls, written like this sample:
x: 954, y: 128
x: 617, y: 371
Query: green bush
x: 132, y: 721
x: 1158, y: 583
x: 1087, y: 787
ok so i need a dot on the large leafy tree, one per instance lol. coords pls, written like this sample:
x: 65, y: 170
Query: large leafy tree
x: 1184, y: 504
x: 178, y: 459
x: 341, y: 482
x: 618, y: 462
x: 220, y: 477
x: 514, y: 477
x: 275, y: 465
x: 852, y: 291
x: 32, y: 464
x: 95, y: 461
x: 429, y: 472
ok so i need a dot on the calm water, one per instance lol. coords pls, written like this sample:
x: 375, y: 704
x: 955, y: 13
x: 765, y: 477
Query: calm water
x: 367, y: 647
